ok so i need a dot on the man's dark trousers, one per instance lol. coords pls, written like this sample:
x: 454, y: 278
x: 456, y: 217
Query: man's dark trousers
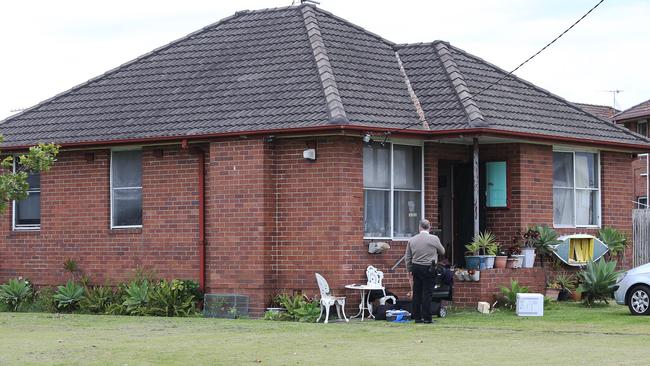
x: 422, y: 290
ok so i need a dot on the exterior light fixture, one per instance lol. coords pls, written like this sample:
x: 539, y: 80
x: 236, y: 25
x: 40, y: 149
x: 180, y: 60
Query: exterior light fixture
x: 366, y: 138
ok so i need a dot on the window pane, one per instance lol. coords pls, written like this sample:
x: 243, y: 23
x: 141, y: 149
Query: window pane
x: 563, y: 206
x: 28, y: 211
x: 127, y: 168
x: 34, y: 181
x: 642, y: 128
x: 376, y: 213
x: 586, y: 207
x: 407, y: 213
x: 376, y: 166
x: 586, y: 170
x: 562, y: 169
x: 407, y: 163
x: 496, y: 190
x: 127, y: 207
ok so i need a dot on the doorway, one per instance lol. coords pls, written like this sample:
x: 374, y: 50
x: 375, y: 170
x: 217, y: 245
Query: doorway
x: 456, y: 208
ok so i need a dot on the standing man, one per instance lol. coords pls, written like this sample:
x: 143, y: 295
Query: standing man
x: 421, y: 251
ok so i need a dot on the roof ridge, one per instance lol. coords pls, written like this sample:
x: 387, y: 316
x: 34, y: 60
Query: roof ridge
x: 594, y: 105
x: 333, y: 100
x: 474, y: 116
x: 349, y: 23
x: 414, y: 97
x: 632, y: 107
x: 139, y: 58
x: 554, y: 96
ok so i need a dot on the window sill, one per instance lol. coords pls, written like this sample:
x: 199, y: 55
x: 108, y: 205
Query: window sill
x: 387, y: 239
x: 576, y: 227
x: 25, y: 231
x: 126, y: 230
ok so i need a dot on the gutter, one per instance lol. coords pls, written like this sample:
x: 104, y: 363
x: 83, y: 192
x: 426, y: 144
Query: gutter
x: 432, y: 134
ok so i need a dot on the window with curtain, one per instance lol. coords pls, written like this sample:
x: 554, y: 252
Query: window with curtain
x: 392, y: 180
x: 576, y: 189
x: 27, y: 212
x: 126, y: 188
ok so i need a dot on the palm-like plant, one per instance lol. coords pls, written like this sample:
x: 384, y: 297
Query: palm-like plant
x: 68, y: 297
x: 137, y: 298
x: 547, y: 237
x: 614, y: 239
x: 597, y: 281
x: 509, y: 294
x: 480, y: 241
x: 15, y: 293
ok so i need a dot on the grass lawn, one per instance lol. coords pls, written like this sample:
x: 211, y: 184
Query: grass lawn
x: 570, y: 334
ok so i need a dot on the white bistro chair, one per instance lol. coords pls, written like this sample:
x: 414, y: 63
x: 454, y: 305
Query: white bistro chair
x: 375, y: 278
x: 327, y: 300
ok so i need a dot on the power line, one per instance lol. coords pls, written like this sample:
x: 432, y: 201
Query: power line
x: 523, y: 63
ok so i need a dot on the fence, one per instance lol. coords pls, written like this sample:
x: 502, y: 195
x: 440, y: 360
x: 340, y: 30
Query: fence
x: 641, y: 235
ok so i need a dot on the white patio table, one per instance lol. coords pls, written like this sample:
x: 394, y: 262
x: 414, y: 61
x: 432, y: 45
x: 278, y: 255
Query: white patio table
x: 363, y: 305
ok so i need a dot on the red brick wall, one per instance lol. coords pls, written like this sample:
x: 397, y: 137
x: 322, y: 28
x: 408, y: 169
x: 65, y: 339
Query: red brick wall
x: 240, y: 203
x: 468, y: 294
x: 75, y: 222
x: 272, y: 218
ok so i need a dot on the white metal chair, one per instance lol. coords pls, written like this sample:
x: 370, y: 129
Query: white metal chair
x: 327, y: 300
x: 375, y: 278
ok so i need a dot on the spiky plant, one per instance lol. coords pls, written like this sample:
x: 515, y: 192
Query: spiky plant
x: 597, y: 281
x: 614, y: 239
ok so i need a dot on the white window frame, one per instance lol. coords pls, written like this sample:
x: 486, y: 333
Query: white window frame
x: 643, y: 156
x: 121, y: 188
x: 600, y: 188
x: 14, y: 225
x: 392, y: 190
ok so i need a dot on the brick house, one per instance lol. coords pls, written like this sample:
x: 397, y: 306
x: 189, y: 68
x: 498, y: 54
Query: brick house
x: 636, y: 119
x: 190, y: 160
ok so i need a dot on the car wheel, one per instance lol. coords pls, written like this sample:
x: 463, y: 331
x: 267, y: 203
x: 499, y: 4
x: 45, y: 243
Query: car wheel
x: 639, y: 300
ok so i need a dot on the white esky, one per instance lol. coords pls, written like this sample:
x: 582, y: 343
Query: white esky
x: 51, y: 46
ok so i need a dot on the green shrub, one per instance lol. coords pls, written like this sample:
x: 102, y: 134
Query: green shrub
x: 136, y: 298
x: 16, y: 294
x: 614, y: 239
x: 67, y: 297
x: 486, y: 241
x: 171, y: 298
x: 43, y: 301
x: 509, y: 295
x: 299, y: 308
x: 98, y: 299
x: 597, y: 281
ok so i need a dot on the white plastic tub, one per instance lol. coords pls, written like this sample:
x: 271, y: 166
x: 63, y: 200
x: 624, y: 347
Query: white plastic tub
x: 530, y: 304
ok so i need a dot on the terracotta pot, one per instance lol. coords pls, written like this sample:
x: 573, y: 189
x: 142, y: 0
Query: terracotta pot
x: 576, y: 296
x: 511, y: 263
x: 552, y: 293
x: 500, y: 261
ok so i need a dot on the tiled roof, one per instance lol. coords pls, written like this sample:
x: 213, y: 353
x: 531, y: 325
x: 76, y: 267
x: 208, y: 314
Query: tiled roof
x: 601, y: 111
x: 298, y: 67
x: 640, y: 110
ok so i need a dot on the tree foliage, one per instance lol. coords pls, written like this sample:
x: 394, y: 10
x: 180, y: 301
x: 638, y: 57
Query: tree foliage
x: 13, y: 184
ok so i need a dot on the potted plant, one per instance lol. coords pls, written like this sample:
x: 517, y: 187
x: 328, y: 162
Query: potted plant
x: 567, y: 284
x: 530, y: 237
x: 552, y: 290
x: 486, y: 242
x: 515, y: 253
x: 472, y: 258
x: 491, y: 250
x: 501, y: 258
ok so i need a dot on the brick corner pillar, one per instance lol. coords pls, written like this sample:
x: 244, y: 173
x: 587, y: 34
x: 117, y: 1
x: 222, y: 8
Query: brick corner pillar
x: 240, y: 204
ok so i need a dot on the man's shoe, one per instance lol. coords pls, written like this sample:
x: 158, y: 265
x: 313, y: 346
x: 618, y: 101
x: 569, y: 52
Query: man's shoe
x: 419, y: 321
x: 428, y: 321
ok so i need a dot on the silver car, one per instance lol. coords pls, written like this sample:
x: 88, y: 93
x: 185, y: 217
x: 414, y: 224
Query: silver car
x: 633, y: 290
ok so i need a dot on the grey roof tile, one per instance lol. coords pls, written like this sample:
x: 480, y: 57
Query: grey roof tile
x: 298, y: 67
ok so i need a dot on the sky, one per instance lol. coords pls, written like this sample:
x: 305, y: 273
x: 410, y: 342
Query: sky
x: 48, y: 47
